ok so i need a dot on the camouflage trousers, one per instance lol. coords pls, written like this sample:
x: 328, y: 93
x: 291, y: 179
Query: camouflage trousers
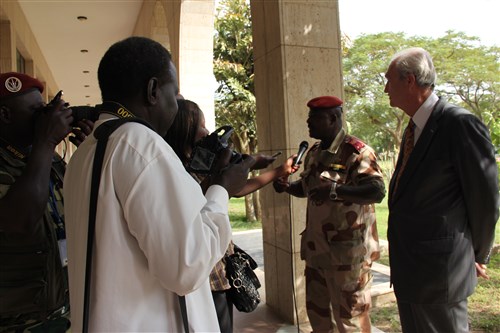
x: 341, y: 291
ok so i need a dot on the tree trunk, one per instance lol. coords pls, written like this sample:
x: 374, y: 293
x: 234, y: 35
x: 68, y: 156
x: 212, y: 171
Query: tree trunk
x: 256, y: 205
x: 249, y: 208
x: 243, y: 144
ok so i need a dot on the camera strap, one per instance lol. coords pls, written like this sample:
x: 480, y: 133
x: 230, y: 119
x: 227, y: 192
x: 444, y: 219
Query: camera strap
x: 14, y: 151
x: 116, y: 109
x: 102, y: 134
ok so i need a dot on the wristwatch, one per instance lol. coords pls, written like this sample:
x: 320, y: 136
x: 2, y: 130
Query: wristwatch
x: 333, y: 191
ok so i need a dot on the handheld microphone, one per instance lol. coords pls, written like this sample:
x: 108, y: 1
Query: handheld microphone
x: 302, y: 149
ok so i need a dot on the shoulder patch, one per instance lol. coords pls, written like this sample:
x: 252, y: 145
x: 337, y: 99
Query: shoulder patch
x: 355, y: 142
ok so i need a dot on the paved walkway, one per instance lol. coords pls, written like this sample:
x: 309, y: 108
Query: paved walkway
x: 263, y: 319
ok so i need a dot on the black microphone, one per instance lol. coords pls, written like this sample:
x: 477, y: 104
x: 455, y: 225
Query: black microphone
x: 302, y: 149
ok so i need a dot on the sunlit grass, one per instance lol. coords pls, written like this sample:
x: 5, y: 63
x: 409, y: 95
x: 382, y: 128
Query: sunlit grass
x: 237, y: 216
x: 483, y: 305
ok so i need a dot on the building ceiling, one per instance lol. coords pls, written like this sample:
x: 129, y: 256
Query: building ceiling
x: 72, y: 45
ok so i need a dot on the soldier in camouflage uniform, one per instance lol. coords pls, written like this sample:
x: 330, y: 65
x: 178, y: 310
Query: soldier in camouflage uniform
x: 33, y: 276
x: 342, y: 181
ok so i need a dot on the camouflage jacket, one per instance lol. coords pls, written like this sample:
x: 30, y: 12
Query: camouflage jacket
x: 339, y: 233
x: 32, y: 281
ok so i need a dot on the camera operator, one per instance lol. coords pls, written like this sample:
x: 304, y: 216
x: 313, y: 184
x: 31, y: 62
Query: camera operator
x: 200, y: 154
x: 32, y: 233
x: 156, y: 235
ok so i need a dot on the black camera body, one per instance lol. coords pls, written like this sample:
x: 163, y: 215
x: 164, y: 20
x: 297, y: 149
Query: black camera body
x: 84, y: 112
x: 79, y: 112
x: 207, y: 150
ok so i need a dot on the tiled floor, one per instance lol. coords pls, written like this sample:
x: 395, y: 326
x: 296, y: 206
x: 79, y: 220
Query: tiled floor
x: 263, y: 319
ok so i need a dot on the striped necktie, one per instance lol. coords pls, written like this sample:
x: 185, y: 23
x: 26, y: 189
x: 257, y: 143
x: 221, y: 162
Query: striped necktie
x: 407, y: 149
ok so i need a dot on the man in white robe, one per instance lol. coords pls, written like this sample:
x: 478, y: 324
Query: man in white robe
x: 157, y: 236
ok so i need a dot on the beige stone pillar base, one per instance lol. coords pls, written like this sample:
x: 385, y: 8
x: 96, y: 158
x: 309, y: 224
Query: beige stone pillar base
x: 297, y: 56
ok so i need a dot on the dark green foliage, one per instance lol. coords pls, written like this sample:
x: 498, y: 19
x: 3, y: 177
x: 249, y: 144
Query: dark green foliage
x: 467, y: 71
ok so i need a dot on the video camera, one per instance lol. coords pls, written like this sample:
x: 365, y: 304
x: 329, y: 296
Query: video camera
x: 207, y: 150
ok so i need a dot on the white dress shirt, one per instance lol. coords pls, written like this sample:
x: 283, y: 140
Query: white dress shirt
x: 422, y: 115
x: 156, y: 236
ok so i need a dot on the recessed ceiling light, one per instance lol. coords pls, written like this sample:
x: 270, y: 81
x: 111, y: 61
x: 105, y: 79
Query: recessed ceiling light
x: 87, y: 96
x: 86, y: 72
x: 84, y: 51
x: 86, y: 86
x: 82, y: 18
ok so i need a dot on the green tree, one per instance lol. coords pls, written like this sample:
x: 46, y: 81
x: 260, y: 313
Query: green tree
x: 367, y: 106
x: 234, y: 71
x: 467, y: 75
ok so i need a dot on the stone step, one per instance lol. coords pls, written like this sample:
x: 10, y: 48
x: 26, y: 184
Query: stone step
x: 381, y: 291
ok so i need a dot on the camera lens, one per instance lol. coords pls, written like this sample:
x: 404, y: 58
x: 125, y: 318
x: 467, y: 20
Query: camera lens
x: 84, y: 112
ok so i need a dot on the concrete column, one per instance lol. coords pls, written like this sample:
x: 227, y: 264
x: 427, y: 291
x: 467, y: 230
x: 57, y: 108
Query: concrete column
x: 297, y: 57
x: 7, y: 48
x: 186, y: 29
x: 16, y: 34
x: 196, y: 39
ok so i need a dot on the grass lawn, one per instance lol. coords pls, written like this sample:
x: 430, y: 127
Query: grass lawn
x: 239, y: 222
x: 238, y: 218
x: 484, y: 306
x: 382, y: 212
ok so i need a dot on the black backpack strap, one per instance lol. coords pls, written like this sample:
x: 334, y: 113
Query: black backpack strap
x: 102, y: 134
x: 182, y: 303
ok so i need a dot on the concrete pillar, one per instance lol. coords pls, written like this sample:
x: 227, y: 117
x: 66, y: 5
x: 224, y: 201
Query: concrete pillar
x: 196, y: 39
x: 7, y: 48
x: 297, y: 57
x: 16, y: 35
x: 186, y: 29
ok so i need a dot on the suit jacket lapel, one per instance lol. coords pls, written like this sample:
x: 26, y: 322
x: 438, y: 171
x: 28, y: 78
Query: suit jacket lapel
x: 420, y: 149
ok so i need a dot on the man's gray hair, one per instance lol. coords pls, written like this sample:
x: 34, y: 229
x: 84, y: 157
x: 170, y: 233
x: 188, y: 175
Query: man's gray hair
x: 418, y: 62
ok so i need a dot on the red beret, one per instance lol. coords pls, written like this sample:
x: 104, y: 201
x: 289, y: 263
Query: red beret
x: 324, y: 102
x: 14, y: 84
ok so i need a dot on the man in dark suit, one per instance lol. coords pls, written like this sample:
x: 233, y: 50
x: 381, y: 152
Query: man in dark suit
x: 443, y: 201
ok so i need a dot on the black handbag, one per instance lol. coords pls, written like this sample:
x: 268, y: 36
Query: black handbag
x: 244, y: 283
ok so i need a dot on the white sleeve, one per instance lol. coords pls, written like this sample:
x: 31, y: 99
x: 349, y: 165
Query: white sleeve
x: 182, y: 233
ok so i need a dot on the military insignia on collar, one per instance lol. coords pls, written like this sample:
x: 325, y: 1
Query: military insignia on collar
x: 13, y: 84
x: 337, y: 167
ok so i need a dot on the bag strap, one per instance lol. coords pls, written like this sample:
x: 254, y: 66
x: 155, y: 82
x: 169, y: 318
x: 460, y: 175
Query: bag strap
x: 102, y: 134
x: 182, y: 303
